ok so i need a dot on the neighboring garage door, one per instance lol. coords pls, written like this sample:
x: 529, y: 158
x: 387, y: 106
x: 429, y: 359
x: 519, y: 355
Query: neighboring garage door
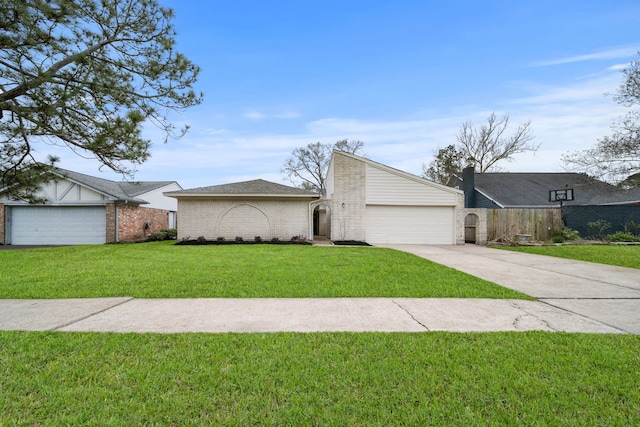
x: 410, y: 225
x: 38, y: 225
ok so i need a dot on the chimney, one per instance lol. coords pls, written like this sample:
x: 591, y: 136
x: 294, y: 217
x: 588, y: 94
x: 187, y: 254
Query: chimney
x: 468, y: 185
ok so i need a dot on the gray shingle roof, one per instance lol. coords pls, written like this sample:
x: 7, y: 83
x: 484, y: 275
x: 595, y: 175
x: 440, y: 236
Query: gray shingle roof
x: 256, y: 187
x: 532, y: 189
x: 125, y: 191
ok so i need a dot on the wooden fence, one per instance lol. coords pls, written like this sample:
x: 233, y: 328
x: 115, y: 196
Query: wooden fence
x: 540, y: 224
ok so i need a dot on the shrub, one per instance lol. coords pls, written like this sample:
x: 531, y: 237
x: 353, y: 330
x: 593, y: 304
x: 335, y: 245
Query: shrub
x: 622, y: 237
x: 164, y: 234
x: 631, y: 227
x: 565, y: 233
x: 598, y: 228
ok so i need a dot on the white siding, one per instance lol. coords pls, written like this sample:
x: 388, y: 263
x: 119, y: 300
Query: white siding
x: 39, y: 225
x: 410, y: 225
x: 158, y: 200
x: 329, y: 182
x: 387, y: 188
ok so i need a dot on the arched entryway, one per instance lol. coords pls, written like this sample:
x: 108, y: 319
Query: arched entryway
x: 471, y: 228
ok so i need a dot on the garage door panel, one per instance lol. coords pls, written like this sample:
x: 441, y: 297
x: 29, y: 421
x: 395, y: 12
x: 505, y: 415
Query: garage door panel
x: 54, y: 225
x: 410, y: 225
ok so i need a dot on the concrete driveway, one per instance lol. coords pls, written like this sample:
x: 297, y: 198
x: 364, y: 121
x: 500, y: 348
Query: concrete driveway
x: 572, y: 296
x: 599, y: 292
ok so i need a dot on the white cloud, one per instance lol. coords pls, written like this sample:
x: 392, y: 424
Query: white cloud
x: 615, y: 53
x: 258, y: 115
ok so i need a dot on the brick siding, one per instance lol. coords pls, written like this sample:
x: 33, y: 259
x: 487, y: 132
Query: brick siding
x: 132, y: 220
x: 211, y: 219
x: 348, y: 201
x: 111, y: 222
x: 3, y: 225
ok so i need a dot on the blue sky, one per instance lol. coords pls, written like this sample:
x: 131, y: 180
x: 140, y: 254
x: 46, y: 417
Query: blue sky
x: 402, y: 76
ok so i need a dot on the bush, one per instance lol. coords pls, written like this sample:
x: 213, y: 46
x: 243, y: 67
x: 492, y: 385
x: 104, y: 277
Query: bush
x: 622, y: 237
x: 164, y: 234
x: 597, y: 228
x: 565, y: 233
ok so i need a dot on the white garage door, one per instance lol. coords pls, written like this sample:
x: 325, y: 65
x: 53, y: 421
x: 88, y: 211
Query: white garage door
x: 410, y: 225
x: 39, y: 225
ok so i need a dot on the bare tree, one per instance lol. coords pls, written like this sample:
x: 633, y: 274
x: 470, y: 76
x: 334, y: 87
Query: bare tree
x: 489, y: 144
x: 616, y: 156
x: 307, y: 166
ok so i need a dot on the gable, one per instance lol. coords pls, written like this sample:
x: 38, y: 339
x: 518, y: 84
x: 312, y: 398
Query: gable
x: 65, y: 191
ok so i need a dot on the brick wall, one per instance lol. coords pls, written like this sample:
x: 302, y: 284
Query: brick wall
x: 3, y: 225
x: 348, y: 201
x: 132, y: 220
x: 111, y: 222
x: 249, y: 218
x: 473, y: 227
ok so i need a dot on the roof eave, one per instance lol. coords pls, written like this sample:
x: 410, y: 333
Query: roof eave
x: 239, y: 196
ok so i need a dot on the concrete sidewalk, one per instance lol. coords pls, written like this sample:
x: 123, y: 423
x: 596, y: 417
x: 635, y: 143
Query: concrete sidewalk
x: 573, y: 296
x: 295, y: 315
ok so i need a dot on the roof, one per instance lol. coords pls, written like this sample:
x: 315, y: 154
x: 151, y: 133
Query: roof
x: 532, y: 189
x: 254, y: 188
x: 124, y: 191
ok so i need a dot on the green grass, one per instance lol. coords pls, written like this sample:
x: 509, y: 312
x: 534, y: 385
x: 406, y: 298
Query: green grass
x: 620, y: 255
x: 367, y: 379
x: 164, y: 270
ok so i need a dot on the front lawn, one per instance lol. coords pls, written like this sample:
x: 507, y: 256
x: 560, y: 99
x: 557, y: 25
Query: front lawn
x: 620, y: 255
x: 368, y: 379
x: 165, y: 270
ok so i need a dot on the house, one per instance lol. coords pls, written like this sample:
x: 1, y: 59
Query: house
x: 588, y: 199
x: 82, y: 209
x: 365, y: 201
x: 379, y: 204
x: 531, y: 190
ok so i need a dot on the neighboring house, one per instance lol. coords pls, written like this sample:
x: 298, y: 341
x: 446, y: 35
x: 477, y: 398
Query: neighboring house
x: 531, y: 190
x: 365, y: 201
x: 83, y: 209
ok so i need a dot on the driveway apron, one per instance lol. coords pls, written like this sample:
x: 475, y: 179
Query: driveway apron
x: 604, y: 293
